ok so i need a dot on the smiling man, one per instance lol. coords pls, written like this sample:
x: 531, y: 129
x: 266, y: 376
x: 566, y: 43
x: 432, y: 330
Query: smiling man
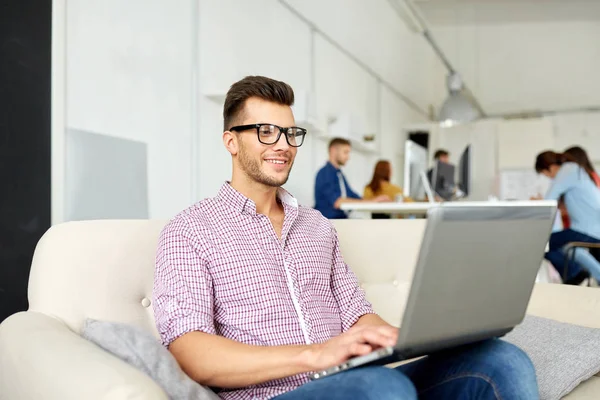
x: 251, y: 292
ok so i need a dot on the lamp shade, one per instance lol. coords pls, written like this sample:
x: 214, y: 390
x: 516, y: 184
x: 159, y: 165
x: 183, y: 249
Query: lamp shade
x: 458, y: 107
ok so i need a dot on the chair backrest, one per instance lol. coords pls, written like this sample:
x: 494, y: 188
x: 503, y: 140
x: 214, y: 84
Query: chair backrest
x: 104, y: 269
x: 96, y: 269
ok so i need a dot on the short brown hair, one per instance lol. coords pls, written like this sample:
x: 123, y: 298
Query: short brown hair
x: 254, y: 86
x: 339, y: 141
x: 440, y: 153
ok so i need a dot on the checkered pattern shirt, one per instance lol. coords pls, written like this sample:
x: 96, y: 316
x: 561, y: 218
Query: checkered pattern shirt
x: 222, y: 270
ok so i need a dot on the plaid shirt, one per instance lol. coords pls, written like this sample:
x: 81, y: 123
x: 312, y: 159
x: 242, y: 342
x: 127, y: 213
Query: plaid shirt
x: 222, y: 270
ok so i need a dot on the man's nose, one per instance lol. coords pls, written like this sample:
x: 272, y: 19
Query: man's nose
x: 282, y: 143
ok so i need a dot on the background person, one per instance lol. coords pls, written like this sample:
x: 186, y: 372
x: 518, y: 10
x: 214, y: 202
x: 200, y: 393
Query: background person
x: 331, y: 187
x: 443, y: 190
x: 380, y: 185
x: 581, y: 157
x: 582, y: 200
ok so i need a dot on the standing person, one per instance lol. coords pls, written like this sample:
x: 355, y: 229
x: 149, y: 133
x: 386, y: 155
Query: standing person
x: 251, y: 291
x: 581, y: 197
x: 441, y: 187
x: 331, y: 187
x: 581, y: 157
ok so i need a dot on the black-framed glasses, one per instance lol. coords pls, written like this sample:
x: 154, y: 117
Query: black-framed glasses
x: 270, y: 134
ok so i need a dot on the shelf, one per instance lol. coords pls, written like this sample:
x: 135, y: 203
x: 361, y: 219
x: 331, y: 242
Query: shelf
x: 313, y: 126
x: 218, y: 98
x: 358, y: 145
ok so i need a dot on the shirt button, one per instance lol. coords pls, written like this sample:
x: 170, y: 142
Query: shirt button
x: 145, y: 302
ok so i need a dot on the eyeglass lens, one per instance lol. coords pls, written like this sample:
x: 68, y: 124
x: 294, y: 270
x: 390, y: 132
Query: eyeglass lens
x: 268, y: 134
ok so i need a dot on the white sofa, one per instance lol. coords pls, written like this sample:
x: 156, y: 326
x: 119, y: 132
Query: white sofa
x: 104, y: 270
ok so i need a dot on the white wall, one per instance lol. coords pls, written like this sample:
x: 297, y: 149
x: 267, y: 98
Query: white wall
x: 582, y: 129
x: 513, y: 67
x: 128, y: 74
x: 372, y: 32
x: 156, y: 72
x: 393, y: 115
x: 291, y: 41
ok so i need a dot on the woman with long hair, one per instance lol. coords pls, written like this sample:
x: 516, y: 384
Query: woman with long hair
x: 575, y: 184
x: 580, y: 156
x: 380, y: 185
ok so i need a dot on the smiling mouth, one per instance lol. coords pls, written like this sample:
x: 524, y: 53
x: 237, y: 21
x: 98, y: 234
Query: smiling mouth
x: 276, y: 161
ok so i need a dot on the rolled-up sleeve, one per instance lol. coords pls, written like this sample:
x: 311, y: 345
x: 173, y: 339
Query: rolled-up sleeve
x: 348, y: 293
x: 183, y: 291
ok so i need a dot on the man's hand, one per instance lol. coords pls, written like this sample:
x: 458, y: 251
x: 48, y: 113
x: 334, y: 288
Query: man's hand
x: 357, y: 341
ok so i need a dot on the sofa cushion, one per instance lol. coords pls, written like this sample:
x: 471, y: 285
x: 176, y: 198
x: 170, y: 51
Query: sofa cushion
x: 143, y: 351
x: 564, y: 355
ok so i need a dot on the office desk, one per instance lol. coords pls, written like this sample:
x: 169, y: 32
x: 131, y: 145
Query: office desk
x: 390, y: 207
x: 420, y: 208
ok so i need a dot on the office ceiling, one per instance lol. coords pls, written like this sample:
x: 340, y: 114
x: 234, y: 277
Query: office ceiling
x: 459, y: 12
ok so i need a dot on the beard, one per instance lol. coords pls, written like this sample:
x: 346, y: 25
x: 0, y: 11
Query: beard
x: 252, y: 168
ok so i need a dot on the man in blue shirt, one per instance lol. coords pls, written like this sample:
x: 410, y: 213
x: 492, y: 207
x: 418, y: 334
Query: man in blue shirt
x: 331, y: 187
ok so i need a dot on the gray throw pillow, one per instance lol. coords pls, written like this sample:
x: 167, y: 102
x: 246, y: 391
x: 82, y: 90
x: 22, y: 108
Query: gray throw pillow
x: 564, y: 355
x: 142, y: 350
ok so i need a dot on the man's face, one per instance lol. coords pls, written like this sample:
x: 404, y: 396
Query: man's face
x: 341, y: 154
x: 269, y: 165
x: 445, y: 159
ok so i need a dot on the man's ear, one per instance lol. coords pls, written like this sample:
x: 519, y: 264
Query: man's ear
x: 230, y: 140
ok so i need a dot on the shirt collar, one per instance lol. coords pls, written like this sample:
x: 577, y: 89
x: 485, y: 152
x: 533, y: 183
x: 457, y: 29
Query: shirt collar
x: 333, y: 166
x: 243, y: 204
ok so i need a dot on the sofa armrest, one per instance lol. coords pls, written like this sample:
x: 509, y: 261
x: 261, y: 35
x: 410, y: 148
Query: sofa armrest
x: 41, y: 358
x: 565, y: 303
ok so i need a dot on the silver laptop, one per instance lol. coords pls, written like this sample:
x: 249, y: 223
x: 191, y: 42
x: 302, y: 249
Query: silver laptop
x: 473, y: 280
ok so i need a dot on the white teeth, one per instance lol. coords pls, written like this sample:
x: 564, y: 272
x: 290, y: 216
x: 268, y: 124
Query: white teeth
x: 276, y: 161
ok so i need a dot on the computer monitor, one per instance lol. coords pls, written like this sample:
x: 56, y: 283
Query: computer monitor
x: 464, y: 171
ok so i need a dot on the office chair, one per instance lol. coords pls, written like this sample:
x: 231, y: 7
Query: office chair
x: 570, y: 248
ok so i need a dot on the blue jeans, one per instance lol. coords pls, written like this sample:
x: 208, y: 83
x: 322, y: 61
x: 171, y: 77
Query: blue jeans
x: 493, y: 369
x: 581, y: 259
